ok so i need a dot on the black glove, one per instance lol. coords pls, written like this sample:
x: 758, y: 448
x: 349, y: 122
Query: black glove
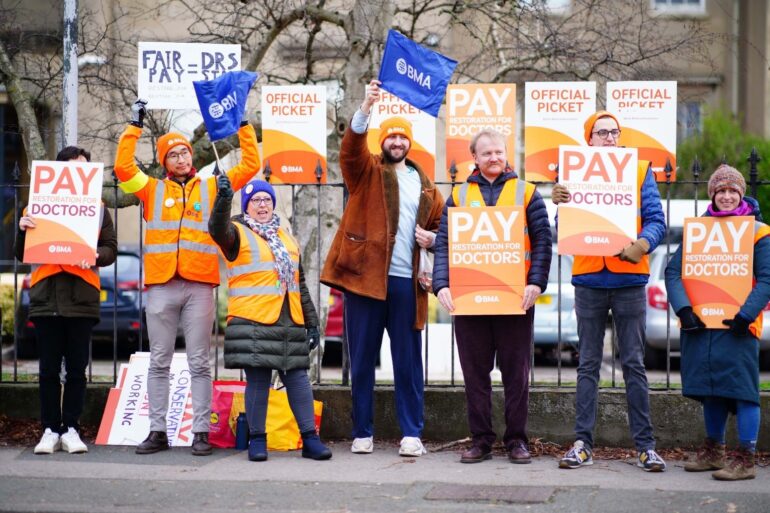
x: 738, y: 325
x: 690, y: 320
x: 313, y: 337
x: 138, y: 111
x: 224, y: 189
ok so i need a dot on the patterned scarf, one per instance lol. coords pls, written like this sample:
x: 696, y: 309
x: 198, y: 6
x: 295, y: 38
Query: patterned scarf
x: 281, y: 258
x: 743, y: 209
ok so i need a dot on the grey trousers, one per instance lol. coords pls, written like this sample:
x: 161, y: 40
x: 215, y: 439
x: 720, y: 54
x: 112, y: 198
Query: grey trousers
x: 190, y: 304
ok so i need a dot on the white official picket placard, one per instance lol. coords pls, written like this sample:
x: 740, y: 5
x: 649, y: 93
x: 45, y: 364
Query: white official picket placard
x: 166, y: 71
x: 65, y: 200
x: 126, y: 418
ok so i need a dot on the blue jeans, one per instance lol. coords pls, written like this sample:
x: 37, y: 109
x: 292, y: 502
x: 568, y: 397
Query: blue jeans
x: 297, y: 388
x: 629, y: 314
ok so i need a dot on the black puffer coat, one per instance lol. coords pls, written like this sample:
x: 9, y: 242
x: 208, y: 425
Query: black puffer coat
x: 65, y: 294
x: 282, y: 345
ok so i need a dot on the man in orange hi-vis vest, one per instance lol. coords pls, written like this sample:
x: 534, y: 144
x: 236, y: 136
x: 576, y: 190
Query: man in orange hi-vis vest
x: 615, y: 283
x: 181, y: 266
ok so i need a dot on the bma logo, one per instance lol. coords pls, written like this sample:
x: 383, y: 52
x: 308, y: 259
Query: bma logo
x: 593, y: 239
x: 713, y: 311
x: 486, y: 299
x: 55, y: 248
x: 218, y: 109
x: 410, y: 71
x: 291, y: 169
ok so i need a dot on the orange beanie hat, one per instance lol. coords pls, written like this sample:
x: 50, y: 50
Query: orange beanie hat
x: 396, y: 126
x: 168, y: 141
x: 588, y: 126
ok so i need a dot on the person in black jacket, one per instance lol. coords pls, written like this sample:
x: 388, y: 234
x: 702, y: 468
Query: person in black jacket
x: 482, y: 339
x: 271, y: 320
x: 64, y: 306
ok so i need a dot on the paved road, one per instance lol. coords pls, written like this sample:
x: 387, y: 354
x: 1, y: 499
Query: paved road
x: 114, y: 480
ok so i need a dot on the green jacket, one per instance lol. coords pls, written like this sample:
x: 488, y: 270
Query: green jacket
x: 282, y: 345
x: 65, y: 294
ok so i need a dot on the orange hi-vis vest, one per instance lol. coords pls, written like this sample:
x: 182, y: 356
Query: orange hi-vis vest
x: 761, y: 230
x: 515, y: 193
x: 177, y: 238
x: 255, y: 292
x: 43, y: 271
x: 583, y: 264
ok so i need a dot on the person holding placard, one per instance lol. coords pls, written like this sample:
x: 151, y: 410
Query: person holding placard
x: 271, y: 320
x: 393, y: 211
x: 64, y: 304
x: 181, y: 266
x: 617, y: 284
x: 720, y: 367
x: 507, y: 339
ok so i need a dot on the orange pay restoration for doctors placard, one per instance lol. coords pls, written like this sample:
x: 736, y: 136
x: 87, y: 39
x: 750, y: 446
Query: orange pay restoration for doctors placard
x: 717, y: 266
x: 486, y: 260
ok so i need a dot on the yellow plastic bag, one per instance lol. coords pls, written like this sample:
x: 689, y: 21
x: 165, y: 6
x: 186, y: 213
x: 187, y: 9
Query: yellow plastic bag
x: 281, y: 427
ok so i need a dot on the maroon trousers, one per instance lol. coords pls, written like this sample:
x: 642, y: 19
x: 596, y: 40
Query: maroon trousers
x: 479, y: 339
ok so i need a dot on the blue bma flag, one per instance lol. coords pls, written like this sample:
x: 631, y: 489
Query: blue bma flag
x: 223, y: 101
x: 415, y: 74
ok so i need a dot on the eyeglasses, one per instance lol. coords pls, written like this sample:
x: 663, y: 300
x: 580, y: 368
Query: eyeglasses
x: 615, y: 133
x: 261, y: 201
x: 176, y: 156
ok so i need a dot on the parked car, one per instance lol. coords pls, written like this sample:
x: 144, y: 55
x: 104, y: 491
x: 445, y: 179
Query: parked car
x: 548, y: 310
x: 657, y: 308
x: 334, y: 329
x: 120, y: 308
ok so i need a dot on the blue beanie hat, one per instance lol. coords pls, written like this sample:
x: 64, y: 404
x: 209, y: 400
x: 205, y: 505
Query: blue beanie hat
x: 252, y: 188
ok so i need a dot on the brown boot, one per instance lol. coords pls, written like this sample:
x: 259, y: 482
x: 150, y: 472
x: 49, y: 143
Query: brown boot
x: 740, y: 466
x: 710, y: 457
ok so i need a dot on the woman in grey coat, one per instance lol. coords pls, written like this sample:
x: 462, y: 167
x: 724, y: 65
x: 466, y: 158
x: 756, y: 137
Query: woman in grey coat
x: 271, y: 321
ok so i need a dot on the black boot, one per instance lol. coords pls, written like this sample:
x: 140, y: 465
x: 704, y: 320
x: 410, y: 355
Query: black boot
x: 313, y: 448
x: 155, y: 441
x: 258, y: 447
x: 201, y: 445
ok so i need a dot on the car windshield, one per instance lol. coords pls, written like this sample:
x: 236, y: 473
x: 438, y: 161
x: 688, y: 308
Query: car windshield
x: 128, y: 266
x: 566, y: 269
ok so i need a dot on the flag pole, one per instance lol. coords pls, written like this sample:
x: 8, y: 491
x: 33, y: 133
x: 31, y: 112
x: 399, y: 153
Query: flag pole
x: 218, y: 167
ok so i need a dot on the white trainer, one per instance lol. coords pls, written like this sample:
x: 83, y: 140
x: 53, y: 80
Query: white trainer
x: 49, y: 443
x: 71, y: 442
x: 411, y: 446
x: 362, y: 445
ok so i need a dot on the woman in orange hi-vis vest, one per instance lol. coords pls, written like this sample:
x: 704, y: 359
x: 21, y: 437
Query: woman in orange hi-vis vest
x: 64, y: 305
x: 616, y: 284
x: 271, y: 320
x: 181, y: 266
x: 720, y: 367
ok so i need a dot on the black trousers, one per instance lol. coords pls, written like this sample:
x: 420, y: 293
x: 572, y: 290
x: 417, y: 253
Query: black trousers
x: 57, y: 338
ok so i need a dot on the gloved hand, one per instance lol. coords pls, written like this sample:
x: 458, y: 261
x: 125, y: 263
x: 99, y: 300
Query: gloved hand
x: 138, y: 111
x: 313, y: 337
x: 635, y: 251
x: 690, y: 320
x: 224, y: 189
x: 738, y: 325
x: 559, y: 194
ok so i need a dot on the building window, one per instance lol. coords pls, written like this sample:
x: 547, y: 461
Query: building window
x: 689, y: 119
x: 679, y: 6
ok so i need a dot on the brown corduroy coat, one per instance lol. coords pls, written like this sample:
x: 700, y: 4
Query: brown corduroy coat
x: 359, y: 258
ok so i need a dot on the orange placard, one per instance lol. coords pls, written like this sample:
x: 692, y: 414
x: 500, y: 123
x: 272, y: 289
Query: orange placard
x: 717, y: 266
x: 472, y: 108
x: 486, y: 260
x: 294, y: 133
x: 600, y: 217
x: 647, y: 114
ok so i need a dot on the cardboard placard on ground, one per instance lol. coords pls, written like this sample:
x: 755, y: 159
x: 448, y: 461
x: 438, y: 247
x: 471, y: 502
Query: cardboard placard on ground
x: 166, y: 71
x: 554, y: 116
x: 717, y: 266
x: 294, y: 132
x: 486, y: 260
x: 647, y: 114
x: 600, y: 218
x: 423, y: 150
x: 472, y: 108
x: 65, y: 200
